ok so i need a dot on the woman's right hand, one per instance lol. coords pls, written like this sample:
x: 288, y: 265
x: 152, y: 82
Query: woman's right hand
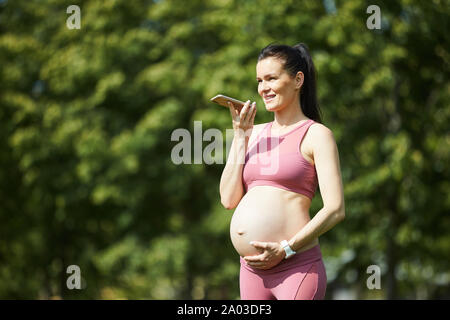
x: 243, y: 120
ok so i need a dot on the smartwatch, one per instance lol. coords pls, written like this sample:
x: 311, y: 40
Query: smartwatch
x: 287, y: 249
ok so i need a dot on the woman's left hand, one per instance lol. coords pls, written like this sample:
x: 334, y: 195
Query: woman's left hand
x: 272, y: 255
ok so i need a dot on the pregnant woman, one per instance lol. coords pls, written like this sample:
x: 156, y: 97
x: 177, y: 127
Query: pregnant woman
x: 271, y: 175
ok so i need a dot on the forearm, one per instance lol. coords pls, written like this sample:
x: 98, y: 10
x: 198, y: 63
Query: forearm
x: 231, y: 188
x: 323, y: 221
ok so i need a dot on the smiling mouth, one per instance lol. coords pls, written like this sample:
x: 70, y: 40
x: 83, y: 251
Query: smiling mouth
x: 269, y: 98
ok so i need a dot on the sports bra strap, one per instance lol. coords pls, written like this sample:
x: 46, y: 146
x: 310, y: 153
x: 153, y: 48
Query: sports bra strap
x: 258, y: 136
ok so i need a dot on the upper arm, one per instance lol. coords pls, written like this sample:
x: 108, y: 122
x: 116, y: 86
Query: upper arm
x: 326, y: 159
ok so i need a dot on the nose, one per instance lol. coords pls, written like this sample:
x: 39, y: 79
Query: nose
x: 264, y: 87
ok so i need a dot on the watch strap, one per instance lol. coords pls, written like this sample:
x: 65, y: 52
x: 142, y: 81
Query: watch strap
x: 287, y: 249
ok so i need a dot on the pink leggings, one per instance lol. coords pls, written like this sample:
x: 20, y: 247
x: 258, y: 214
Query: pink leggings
x: 301, y: 277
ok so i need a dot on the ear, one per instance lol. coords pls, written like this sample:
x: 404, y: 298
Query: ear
x: 299, y: 79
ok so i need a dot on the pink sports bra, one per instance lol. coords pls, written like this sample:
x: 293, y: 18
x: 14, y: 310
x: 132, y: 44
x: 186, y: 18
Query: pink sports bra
x: 277, y: 161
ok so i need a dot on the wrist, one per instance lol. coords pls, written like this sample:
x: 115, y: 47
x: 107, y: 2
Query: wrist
x: 291, y: 244
x: 282, y: 252
x: 240, y: 133
x: 287, y: 249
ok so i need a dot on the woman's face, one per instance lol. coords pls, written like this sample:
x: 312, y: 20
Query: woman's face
x: 277, y: 88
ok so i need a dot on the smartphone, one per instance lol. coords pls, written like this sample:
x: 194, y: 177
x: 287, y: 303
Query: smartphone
x: 222, y: 100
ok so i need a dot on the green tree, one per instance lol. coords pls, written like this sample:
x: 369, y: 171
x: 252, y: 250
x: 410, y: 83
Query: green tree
x: 86, y: 118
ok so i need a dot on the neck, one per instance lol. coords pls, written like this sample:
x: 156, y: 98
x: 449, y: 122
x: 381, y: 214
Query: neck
x: 289, y: 115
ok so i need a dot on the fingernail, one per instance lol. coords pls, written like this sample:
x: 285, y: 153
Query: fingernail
x: 251, y: 242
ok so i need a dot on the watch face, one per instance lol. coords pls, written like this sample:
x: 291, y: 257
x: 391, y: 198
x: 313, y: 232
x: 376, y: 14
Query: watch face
x: 289, y: 253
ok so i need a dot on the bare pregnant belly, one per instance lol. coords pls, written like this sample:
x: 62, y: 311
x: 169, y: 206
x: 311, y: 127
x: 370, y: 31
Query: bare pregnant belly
x: 268, y: 214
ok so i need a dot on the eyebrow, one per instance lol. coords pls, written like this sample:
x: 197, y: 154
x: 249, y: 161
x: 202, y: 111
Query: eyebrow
x: 267, y: 75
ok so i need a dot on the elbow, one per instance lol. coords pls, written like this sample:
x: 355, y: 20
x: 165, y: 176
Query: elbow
x: 340, y: 214
x: 230, y: 201
x: 337, y: 213
x: 227, y: 204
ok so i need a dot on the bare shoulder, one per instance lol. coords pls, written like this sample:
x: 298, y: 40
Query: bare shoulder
x: 318, y: 136
x: 321, y: 138
x: 318, y: 131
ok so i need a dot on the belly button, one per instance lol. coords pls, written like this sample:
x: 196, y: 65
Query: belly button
x: 240, y: 232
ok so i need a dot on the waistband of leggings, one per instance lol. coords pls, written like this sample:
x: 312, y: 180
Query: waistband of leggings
x: 299, y: 259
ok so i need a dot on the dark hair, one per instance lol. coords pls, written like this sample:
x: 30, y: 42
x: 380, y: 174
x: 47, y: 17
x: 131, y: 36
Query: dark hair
x: 297, y: 58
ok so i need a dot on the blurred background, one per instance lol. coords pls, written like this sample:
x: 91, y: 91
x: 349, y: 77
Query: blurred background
x: 86, y: 117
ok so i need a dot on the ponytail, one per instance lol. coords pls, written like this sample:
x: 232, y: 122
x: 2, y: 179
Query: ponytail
x: 298, y: 58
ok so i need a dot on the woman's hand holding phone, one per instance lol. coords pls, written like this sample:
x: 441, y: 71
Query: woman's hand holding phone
x: 243, y: 120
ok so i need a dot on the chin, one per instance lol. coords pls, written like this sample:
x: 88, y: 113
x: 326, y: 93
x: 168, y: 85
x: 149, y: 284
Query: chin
x: 272, y: 107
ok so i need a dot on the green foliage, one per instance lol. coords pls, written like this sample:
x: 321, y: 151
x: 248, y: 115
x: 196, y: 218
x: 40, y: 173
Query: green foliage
x: 86, y: 118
